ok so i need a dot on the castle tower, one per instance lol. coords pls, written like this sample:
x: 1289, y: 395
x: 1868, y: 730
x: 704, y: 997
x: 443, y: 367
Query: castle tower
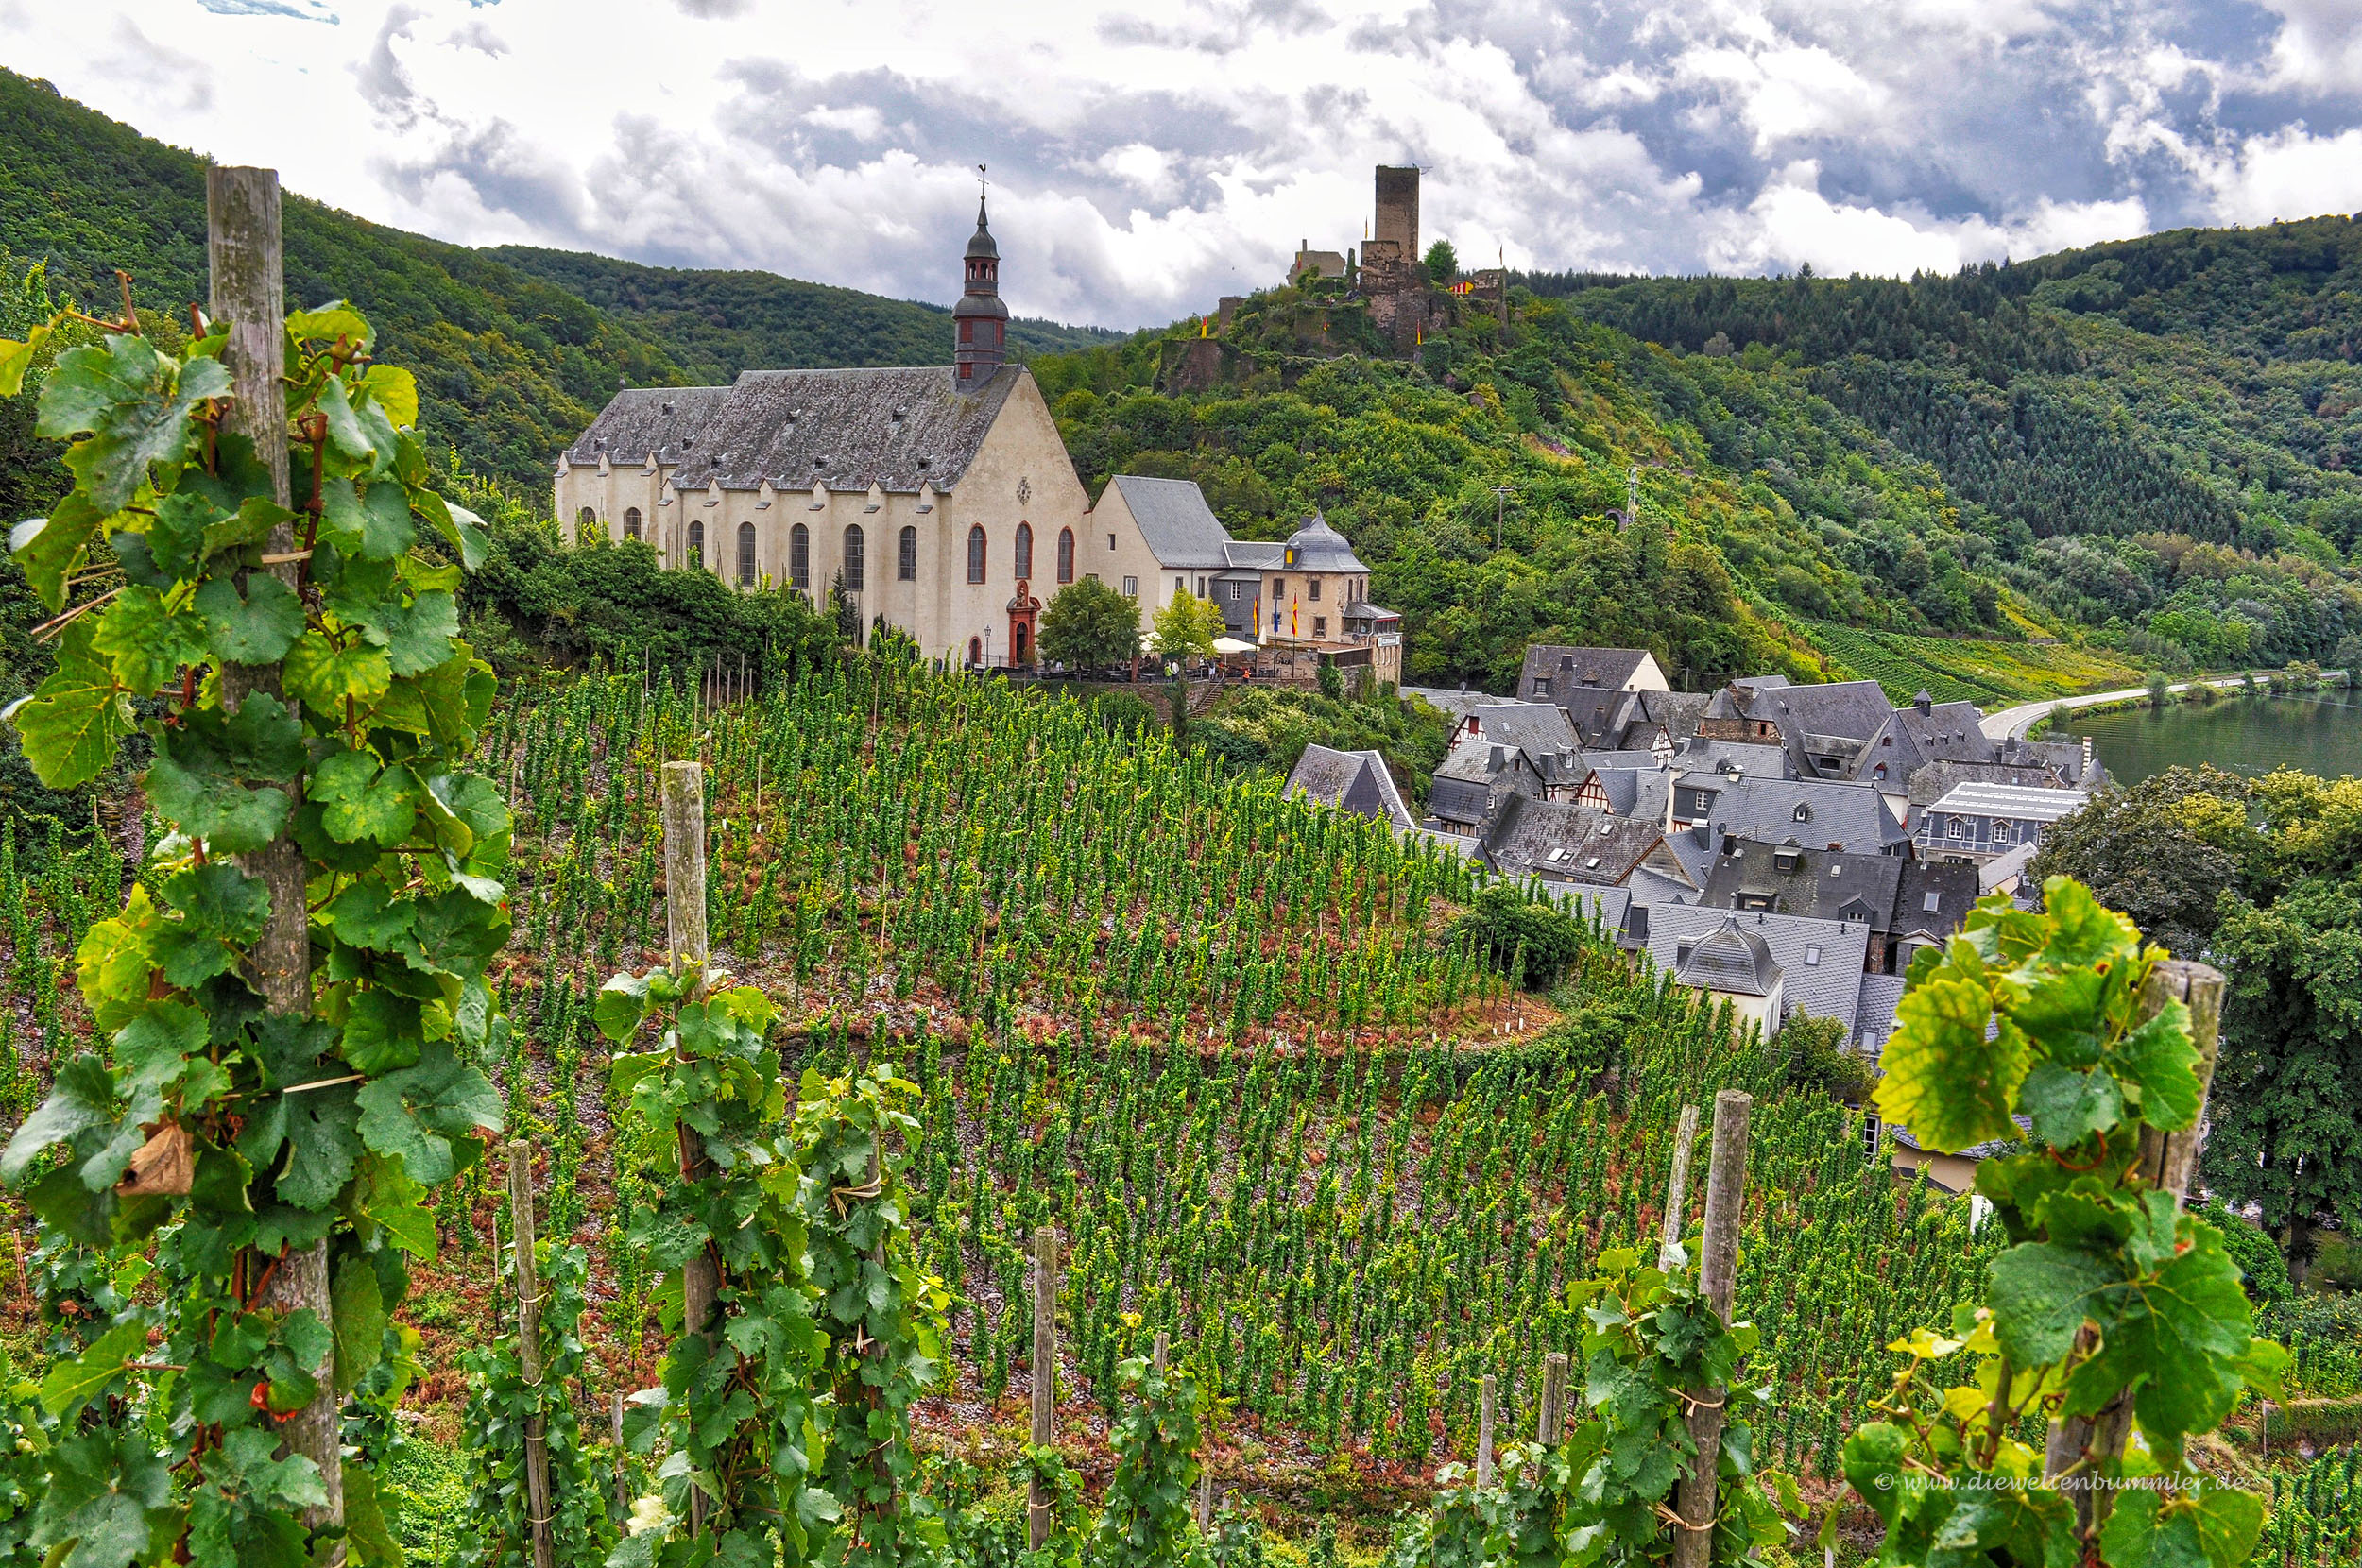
x: 979, y: 322
x: 1398, y: 209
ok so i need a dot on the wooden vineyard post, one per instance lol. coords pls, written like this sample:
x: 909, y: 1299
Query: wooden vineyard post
x: 1718, y: 1272
x: 1677, y: 1188
x: 684, y: 813
x: 1159, y: 1350
x: 1039, y: 1505
x: 1485, y: 1408
x: 2166, y: 1163
x: 247, y: 268
x: 1552, y: 1426
x: 622, y: 1484
x: 538, y: 1512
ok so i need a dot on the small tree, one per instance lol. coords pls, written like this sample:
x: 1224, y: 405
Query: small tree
x: 1088, y: 624
x: 1442, y: 261
x: 1187, y: 628
x: 2158, y: 687
x: 1526, y: 939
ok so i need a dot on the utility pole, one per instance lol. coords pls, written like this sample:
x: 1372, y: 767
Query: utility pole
x: 1500, y: 504
x: 1632, y: 495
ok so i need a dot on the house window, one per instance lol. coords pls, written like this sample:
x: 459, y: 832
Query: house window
x: 2000, y: 832
x: 1111, y: 543
x: 1870, y: 1136
x: 1804, y: 813
x: 1681, y: 955
x: 632, y: 522
x: 1320, y: 625
x: 1960, y: 827
x: 1180, y: 587
x: 1278, y: 589
x: 1541, y: 686
x: 746, y: 554
x: 1311, y: 587
x: 968, y: 331
x: 1812, y: 954
x: 1065, y: 555
x: 799, y: 559
x: 906, y: 558
x: 1024, y: 550
x: 697, y: 542
x: 976, y: 553
x: 853, y: 543
x: 1238, y: 591
x: 1131, y: 588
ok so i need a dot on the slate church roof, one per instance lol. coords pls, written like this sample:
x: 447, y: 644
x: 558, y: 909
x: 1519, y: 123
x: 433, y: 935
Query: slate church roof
x: 898, y: 429
x: 1180, y: 529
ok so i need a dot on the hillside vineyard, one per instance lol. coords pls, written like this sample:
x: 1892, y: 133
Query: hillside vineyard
x: 1201, y: 1029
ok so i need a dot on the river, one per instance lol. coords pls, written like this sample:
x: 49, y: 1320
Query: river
x: 2318, y: 734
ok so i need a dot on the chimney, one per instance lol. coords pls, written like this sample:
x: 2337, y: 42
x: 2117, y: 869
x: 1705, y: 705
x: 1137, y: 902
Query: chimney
x: 1726, y: 838
x: 1924, y: 702
x: 1500, y: 759
x: 1702, y: 833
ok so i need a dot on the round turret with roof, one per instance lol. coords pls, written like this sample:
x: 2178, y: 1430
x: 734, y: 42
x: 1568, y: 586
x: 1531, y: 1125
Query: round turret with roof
x: 979, y: 322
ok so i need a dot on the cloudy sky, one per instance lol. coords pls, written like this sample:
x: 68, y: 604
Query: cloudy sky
x: 1148, y: 155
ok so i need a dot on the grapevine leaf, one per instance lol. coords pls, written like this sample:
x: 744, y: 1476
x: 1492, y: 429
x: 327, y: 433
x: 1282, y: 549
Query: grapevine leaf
x: 417, y: 1113
x: 2082, y: 930
x: 2068, y: 1106
x: 2040, y: 1293
x: 1873, y: 1461
x: 323, y: 1144
x: 2160, y: 1059
x: 106, y: 1494
x: 359, y: 1309
x: 82, y: 1096
x: 2140, y: 1533
x: 1944, y: 1080
x: 328, y: 323
x: 363, y: 801
x: 345, y: 432
x: 49, y: 548
x: 196, y: 779
x: 367, y: 915
x: 373, y: 524
x: 418, y: 636
x: 381, y: 1033
x: 369, y: 1538
x: 133, y: 404
x: 2229, y: 1521
x: 453, y: 934
x: 2180, y: 1336
x: 75, y: 1381
x: 71, y: 726
x: 156, y: 1044
x: 461, y: 529
x: 394, y: 1201
x: 17, y: 358
x: 220, y: 900
x: 325, y: 675
x: 258, y: 628
x: 622, y: 1004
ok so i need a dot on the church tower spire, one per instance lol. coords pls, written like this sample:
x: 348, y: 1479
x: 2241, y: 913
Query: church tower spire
x: 979, y: 322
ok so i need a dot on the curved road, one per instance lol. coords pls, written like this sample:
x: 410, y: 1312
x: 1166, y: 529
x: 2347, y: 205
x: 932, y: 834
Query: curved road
x: 2016, y: 722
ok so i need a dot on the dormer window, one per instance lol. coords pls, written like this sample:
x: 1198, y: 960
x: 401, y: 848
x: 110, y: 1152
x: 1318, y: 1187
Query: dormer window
x: 1804, y: 813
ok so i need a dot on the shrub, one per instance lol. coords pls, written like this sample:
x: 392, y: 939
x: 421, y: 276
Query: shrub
x: 1507, y: 928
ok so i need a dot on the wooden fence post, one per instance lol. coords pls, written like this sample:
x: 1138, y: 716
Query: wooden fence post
x: 538, y: 1513
x: 2168, y: 1161
x: 1552, y: 1426
x: 1486, y: 1405
x: 683, y: 808
x: 248, y: 290
x: 622, y: 1484
x: 1718, y: 1272
x: 1039, y: 1505
x: 1677, y: 1188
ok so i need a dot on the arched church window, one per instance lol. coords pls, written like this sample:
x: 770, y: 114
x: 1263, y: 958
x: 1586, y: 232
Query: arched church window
x: 632, y: 522
x: 799, y: 559
x: 1024, y: 550
x: 854, y: 542
x: 1065, y: 555
x: 746, y: 554
x: 976, y: 553
x: 584, y: 520
x: 697, y: 542
x: 906, y: 556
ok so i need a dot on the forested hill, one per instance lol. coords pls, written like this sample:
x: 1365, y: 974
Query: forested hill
x: 515, y: 348
x: 718, y: 323
x: 2201, y: 382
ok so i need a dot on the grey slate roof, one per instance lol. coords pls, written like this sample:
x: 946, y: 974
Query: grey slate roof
x: 1610, y: 904
x: 1320, y: 548
x: 1732, y: 959
x: 1180, y: 529
x: 1561, y: 840
x: 1853, y: 817
x: 1724, y: 756
x: 1855, y: 709
x: 1538, y: 729
x: 2013, y: 801
x: 1954, y: 889
x: 639, y: 421
x: 1640, y: 793
x: 1930, y: 783
x: 1826, y: 985
x: 1445, y: 700
x: 1825, y: 884
x: 1254, y: 554
x: 1577, y: 669
x: 1355, y: 781
x: 1874, y: 1021
x: 850, y: 429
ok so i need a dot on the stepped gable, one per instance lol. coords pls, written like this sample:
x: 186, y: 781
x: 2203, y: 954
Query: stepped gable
x: 642, y: 424
x: 1171, y: 514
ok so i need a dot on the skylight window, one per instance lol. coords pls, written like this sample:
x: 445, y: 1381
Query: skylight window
x: 1591, y: 864
x: 1932, y: 900
x: 1812, y: 954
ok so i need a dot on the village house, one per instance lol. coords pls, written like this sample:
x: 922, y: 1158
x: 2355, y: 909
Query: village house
x: 1588, y: 683
x: 1905, y: 904
x: 1355, y: 781
x: 1769, y: 967
x: 1560, y: 842
x: 1976, y: 822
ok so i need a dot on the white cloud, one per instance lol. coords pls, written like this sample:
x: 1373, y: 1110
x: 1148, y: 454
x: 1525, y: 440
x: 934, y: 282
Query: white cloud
x: 1149, y: 155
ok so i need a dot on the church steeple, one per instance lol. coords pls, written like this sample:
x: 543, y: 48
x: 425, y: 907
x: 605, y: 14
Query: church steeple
x: 979, y: 322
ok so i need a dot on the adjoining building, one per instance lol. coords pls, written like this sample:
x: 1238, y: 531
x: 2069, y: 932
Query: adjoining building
x: 1355, y: 781
x: 1979, y: 822
x: 1769, y: 967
